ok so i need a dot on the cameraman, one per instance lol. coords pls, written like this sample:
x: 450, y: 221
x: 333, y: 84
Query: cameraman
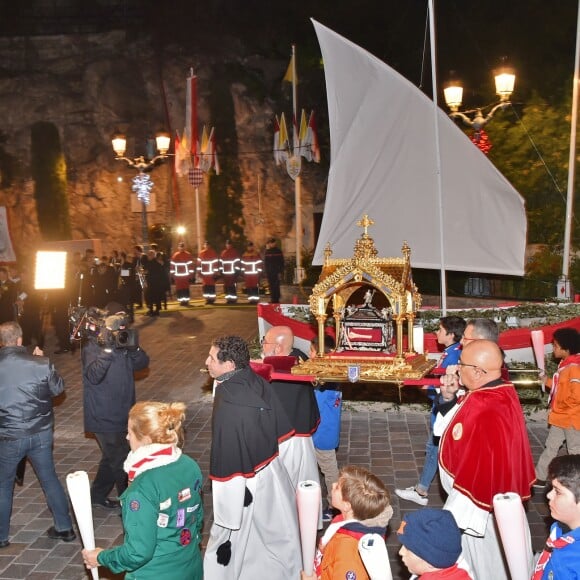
x: 108, y: 393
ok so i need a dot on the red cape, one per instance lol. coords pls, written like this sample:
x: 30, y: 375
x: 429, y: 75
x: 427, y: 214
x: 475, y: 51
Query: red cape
x: 486, y: 449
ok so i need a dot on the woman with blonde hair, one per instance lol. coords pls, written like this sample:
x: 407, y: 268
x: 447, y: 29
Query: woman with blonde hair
x: 162, y: 507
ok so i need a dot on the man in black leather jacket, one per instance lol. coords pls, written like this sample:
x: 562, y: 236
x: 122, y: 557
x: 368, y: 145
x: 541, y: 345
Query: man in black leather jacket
x: 108, y: 395
x: 27, y: 385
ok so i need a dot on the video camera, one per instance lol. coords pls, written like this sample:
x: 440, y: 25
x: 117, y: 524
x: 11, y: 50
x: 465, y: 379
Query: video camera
x: 110, y: 330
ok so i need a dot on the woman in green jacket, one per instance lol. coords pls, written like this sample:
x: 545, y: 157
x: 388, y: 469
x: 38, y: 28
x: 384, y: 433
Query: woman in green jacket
x: 162, y: 507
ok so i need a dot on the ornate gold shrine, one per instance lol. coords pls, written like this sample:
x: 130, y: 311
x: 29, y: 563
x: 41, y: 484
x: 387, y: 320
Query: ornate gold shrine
x: 374, y: 303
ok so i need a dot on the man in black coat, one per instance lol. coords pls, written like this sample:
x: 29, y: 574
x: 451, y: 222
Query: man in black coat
x: 274, y: 266
x: 108, y: 395
x: 27, y: 385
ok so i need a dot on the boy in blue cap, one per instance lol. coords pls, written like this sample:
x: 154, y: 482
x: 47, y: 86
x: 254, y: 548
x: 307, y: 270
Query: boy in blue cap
x: 432, y: 546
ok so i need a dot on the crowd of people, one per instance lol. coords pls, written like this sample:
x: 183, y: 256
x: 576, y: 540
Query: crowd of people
x: 270, y: 435
x: 136, y: 280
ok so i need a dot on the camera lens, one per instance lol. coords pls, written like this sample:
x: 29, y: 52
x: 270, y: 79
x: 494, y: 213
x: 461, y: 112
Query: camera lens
x: 122, y: 338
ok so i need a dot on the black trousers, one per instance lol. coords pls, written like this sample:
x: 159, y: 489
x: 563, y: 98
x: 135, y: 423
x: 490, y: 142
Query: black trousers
x: 274, y: 283
x: 114, y: 449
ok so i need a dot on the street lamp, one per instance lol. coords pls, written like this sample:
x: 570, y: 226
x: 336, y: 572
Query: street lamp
x: 142, y: 183
x: 504, y: 87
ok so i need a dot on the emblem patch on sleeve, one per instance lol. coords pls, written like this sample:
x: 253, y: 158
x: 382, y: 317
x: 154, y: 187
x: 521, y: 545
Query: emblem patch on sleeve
x: 165, y: 504
x: 162, y: 520
x: 350, y: 575
x: 185, y: 537
x: 180, y: 518
x: 184, y: 494
x: 134, y: 505
x: 457, y: 432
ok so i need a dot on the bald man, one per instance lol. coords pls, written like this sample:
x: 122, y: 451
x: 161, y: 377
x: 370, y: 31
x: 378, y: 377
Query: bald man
x: 299, y: 402
x: 484, y: 451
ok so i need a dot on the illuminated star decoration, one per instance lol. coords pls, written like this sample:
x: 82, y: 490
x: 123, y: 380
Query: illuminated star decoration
x: 142, y: 186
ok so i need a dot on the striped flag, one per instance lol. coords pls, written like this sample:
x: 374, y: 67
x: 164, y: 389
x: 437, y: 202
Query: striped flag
x: 305, y: 138
x: 191, y: 113
x: 315, y: 148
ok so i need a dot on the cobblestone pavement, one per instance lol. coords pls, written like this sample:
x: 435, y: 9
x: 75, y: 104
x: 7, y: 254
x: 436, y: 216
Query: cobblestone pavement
x: 390, y: 443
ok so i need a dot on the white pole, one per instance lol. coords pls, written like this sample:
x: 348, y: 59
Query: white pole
x: 571, y: 162
x: 197, y: 220
x: 437, y: 155
x: 299, y: 273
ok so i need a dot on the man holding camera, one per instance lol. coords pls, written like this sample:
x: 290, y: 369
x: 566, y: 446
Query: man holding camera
x: 109, y: 358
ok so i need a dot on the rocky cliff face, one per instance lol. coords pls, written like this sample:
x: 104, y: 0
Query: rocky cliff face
x: 89, y: 86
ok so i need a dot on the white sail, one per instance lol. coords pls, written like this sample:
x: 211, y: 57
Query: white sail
x: 383, y: 164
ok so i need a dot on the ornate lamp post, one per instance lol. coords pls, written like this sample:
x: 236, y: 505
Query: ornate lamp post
x: 474, y: 118
x: 142, y: 183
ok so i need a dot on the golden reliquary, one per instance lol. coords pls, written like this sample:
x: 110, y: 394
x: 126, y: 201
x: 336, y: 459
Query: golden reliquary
x: 373, y: 302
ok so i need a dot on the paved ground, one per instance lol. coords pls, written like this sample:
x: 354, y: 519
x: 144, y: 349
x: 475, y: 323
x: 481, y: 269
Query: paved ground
x: 390, y: 443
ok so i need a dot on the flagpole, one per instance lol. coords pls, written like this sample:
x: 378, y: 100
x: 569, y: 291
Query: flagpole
x: 299, y: 273
x: 197, y: 220
x: 571, y: 165
x: 437, y: 155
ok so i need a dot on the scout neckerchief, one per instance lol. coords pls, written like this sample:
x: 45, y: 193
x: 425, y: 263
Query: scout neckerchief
x: 150, y: 457
x: 551, y: 545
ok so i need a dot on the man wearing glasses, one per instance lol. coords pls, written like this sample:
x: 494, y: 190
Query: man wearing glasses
x: 484, y: 451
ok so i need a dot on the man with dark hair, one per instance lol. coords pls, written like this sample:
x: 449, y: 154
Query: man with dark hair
x: 562, y: 552
x: 250, y: 486
x: 27, y: 385
x: 274, y: 266
x: 564, y: 401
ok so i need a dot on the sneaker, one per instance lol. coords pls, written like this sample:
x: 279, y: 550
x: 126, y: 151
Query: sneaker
x: 539, y: 484
x: 109, y: 504
x: 411, y: 494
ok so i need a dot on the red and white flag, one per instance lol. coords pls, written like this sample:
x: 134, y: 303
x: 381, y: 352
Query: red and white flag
x: 305, y: 138
x: 313, y: 139
x: 191, y: 114
x: 213, y: 149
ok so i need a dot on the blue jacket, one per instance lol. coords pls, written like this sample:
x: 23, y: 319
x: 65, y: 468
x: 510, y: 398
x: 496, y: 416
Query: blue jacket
x: 450, y: 356
x: 28, y: 384
x: 564, y: 562
x: 329, y: 401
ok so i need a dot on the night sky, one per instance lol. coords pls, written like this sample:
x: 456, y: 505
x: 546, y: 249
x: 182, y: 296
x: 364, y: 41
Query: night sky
x: 536, y: 36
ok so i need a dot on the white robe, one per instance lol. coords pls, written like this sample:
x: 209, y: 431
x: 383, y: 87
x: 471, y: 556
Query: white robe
x: 299, y: 459
x: 480, y: 540
x: 264, y: 536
